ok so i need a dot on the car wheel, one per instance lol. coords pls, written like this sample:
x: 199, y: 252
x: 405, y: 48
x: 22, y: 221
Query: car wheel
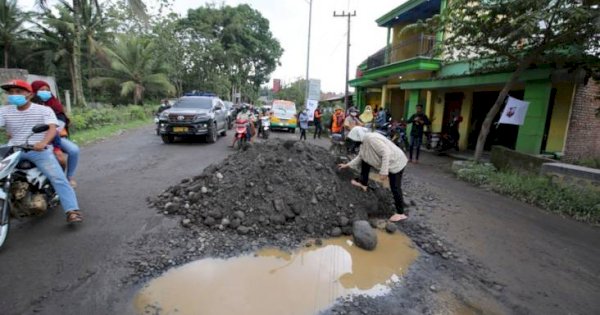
x: 167, y: 139
x: 212, y: 135
x: 293, y: 130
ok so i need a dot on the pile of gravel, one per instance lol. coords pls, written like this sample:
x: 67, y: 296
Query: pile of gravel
x: 273, y: 188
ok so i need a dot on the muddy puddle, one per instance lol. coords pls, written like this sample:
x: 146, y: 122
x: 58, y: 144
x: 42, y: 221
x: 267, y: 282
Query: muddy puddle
x: 275, y: 282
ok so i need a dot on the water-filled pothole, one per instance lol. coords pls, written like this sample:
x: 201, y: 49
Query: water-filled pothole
x: 275, y: 282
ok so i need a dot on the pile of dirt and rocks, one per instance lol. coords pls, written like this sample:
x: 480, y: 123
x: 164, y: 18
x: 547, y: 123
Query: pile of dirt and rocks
x: 273, y: 188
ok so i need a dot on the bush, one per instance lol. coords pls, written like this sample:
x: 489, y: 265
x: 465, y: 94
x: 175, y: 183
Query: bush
x: 579, y: 203
x: 592, y: 163
x: 94, y: 118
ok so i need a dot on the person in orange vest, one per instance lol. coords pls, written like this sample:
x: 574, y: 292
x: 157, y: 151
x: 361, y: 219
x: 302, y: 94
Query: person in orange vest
x: 317, y: 121
x: 337, y: 121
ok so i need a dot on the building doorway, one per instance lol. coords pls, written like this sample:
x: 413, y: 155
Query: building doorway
x: 500, y: 134
x: 397, y: 104
x: 452, y: 108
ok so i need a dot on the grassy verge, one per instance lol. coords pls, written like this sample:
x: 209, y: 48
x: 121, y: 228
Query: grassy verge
x: 89, y: 136
x: 578, y: 203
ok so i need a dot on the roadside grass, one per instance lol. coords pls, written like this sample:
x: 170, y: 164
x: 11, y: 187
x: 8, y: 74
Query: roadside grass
x: 579, y: 203
x: 93, y: 135
x: 592, y: 163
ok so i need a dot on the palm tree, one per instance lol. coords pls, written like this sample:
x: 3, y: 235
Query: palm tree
x: 135, y: 68
x: 11, y: 26
x: 76, y: 6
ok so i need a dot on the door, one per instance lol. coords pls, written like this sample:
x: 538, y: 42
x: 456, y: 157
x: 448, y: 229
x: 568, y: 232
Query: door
x: 452, y: 108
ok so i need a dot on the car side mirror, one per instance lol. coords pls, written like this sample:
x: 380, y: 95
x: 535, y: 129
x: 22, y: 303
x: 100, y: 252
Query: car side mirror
x: 40, y: 128
x: 218, y: 107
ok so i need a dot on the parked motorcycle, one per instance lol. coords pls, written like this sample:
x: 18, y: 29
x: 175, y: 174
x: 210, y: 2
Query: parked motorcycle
x: 395, y: 132
x: 24, y: 190
x: 265, y: 123
x: 241, y: 130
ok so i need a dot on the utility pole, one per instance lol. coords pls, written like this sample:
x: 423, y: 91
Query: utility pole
x: 308, y: 50
x: 349, y: 16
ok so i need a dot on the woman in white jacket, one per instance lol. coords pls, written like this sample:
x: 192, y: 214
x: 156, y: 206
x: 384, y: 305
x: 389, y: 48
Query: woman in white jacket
x: 379, y: 152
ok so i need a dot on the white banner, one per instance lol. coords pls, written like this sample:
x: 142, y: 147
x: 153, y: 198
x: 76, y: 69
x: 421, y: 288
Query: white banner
x: 314, y: 89
x: 514, y: 112
x: 311, y: 106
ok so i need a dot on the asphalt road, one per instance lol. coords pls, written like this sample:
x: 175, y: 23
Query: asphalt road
x: 545, y: 263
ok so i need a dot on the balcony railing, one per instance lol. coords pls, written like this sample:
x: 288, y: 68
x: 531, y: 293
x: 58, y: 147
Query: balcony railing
x: 419, y: 46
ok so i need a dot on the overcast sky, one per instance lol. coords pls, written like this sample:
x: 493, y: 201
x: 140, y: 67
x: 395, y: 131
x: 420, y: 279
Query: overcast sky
x: 289, y: 24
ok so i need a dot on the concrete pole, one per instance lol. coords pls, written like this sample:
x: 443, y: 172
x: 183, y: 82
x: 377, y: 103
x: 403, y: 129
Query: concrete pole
x: 68, y: 101
x: 346, y: 94
x: 308, y: 50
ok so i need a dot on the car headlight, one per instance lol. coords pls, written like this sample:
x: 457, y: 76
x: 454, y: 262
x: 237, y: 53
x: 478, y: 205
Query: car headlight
x: 164, y: 116
x: 201, y: 117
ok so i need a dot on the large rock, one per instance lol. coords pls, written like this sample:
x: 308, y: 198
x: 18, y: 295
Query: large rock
x: 364, y: 235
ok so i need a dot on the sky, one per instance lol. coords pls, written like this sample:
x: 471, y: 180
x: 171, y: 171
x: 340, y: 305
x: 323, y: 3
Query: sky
x: 289, y: 24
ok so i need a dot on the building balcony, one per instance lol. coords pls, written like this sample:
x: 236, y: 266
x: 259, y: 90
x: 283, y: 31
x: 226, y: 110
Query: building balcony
x: 418, y: 46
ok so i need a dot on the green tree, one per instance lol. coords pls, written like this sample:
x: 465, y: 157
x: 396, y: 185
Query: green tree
x: 516, y: 34
x: 12, y: 29
x: 135, y: 68
x: 294, y: 92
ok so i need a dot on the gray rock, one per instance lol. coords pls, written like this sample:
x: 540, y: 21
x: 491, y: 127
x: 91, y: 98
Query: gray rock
x: 243, y: 230
x: 347, y: 230
x: 235, y: 223
x: 210, y: 221
x: 170, y: 207
x: 270, y: 189
x: 219, y: 176
x: 239, y: 214
x: 296, y: 208
x: 344, y: 221
x: 215, y: 214
x: 186, y: 223
x: 279, y: 205
x: 336, y: 232
x: 364, y: 235
x: 225, y: 222
x: 277, y: 218
x: 433, y: 288
x: 314, y: 200
x: 289, y: 214
x: 391, y: 228
x: 204, y: 190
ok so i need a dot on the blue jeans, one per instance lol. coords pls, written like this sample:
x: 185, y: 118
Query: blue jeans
x: 72, y: 150
x: 48, y: 165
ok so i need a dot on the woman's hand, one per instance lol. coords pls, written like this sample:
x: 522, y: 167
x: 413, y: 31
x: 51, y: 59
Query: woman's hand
x: 343, y: 166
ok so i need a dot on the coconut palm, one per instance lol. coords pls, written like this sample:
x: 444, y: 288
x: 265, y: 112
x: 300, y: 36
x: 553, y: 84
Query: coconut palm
x: 11, y: 26
x: 137, y: 6
x: 135, y: 68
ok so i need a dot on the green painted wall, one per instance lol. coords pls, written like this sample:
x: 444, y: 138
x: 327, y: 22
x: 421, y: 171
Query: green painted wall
x: 537, y: 93
x: 413, y: 100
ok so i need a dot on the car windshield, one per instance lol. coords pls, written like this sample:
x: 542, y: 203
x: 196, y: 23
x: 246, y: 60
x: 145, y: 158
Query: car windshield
x: 194, y: 102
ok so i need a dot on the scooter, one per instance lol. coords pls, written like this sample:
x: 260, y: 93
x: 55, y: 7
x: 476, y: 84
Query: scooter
x: 241, y: 130
x: 24, y: 190
x: 265, y: 123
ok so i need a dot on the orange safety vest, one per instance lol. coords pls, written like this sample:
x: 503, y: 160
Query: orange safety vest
x: 337, y: 125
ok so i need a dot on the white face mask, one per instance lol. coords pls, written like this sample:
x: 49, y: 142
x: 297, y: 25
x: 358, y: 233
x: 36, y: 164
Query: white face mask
x: 353, y: 114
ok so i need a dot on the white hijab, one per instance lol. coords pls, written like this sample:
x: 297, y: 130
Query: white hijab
x: 357, y: 133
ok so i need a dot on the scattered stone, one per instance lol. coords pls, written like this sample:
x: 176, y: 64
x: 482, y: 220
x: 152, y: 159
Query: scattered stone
x: 270, y: 189
x: 204, y: 190
x: 186, y: 223
x: 215, y: 214
x: 239, y: 214
x: 433, y: 288
x: 364, y: 235
x: 391, y: 228
x: 243, y: 230
x: 336, y: 232
x: 219, y: 175
x: 344, y: 221
x: 319, y: 242
x: 279, y: 205
x: 210, y: 221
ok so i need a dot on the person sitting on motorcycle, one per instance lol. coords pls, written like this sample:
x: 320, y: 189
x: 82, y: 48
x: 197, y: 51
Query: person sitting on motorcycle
x: 380, y: 119
x: 352, y: 120
x: 163, y: 106
x: 262, y: 113
x: 19, y: 119
x: 247, y: 116
x: 44, y: 96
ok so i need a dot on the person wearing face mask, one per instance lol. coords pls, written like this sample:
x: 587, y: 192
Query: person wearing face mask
x: 43, y: 96
x: 352, y: 120
x: 18, y: 119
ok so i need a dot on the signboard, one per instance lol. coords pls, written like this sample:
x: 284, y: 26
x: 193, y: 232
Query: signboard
x: 314, y: 89
x: 311, y: 106
x: 514, y: 112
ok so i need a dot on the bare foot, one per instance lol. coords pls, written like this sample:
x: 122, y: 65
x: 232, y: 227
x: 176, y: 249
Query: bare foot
x: 73, y: 183
x: 359, y: 185
x: 398, y: 217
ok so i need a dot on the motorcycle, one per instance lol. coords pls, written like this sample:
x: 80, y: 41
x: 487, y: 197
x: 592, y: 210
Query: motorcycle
x: 265, y: 123
x: 241, y: 130
x: 395, y: 132
x: 24, y: 190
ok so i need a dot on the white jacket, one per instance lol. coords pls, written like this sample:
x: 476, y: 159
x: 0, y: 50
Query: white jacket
x: 380, y: 153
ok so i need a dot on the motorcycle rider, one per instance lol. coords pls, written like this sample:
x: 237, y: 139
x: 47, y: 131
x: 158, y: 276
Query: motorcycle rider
x: 43, y: 96
x: 337, y: 121
x: 163, y: 106
x: 19, y: 118
x: 246, y: 115
x: 352, y: 120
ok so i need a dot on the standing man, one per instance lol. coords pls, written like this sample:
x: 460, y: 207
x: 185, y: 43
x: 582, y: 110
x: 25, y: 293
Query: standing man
x: 317, y: 121
x: 19, y: 118
x: 419, y: 120
x: 337, y: 121
x: 303, y: 119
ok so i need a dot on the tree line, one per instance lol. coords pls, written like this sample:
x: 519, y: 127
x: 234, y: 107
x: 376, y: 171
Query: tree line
x: 117, y: 52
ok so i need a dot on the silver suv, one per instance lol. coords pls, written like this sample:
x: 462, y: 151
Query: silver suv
x: 194, y: 116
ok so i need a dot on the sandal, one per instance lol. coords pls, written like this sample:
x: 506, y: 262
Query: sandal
x: 358, y: 184
x: 73, y: 183
x: 74, y: 216
x: 398, y: 217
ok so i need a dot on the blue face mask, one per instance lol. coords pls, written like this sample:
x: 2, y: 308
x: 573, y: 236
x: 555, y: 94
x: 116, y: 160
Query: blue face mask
x: 17, y: 100
x: 44, y: 95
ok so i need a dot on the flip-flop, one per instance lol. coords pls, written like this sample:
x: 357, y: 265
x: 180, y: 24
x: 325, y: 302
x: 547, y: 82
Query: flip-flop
x: 398, y: 217
x: 74, y: 217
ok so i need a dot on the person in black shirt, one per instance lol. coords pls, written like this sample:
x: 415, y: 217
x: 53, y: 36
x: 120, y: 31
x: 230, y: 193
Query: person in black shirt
x: 419, y: 120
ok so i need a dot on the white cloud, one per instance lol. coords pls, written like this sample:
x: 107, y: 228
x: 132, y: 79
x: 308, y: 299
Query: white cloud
x: 289, y: 24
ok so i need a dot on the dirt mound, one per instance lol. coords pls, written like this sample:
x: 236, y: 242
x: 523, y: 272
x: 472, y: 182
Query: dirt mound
x: 272, y: 188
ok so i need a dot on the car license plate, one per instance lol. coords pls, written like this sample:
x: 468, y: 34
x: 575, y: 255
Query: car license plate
x: 180, y: 129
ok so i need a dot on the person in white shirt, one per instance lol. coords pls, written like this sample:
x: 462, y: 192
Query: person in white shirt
x: 19, y: 118
x: 379, y: 152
